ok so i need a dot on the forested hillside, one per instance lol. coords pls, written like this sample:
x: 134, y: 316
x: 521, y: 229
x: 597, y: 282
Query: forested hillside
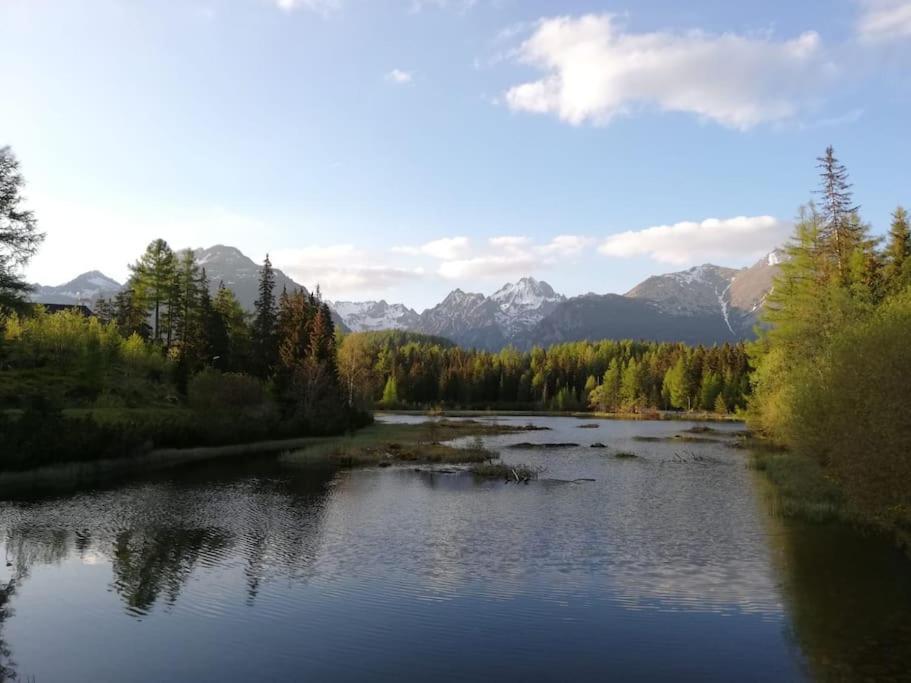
x: 407, y: 370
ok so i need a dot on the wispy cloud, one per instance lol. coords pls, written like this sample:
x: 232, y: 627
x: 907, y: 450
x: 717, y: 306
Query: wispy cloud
x: 501, y: 255
x: 690, y: 242
x: 399, y: 77
x: 884, y: 20
x: 443, y: 248
x: 341, y: 269
x: 323, y: 7
x: 593, y: 70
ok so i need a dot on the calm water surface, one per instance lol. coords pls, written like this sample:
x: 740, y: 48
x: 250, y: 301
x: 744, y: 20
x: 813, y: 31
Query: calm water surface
x: 268, y: 570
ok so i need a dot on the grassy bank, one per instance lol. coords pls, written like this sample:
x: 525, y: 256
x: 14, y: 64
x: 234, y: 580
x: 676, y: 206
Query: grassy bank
x: 695, y: 416
x: 75, y: 475
x: 800, y: 487
x: 803, y: 489
x: 385, y: 444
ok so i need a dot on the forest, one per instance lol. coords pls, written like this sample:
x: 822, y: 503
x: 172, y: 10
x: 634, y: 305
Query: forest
x: 406, y: 370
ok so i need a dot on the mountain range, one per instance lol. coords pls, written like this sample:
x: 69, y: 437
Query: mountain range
x: 705, y: 304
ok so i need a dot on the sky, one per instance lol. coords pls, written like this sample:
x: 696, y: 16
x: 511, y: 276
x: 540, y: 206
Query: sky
x: 398, y: 149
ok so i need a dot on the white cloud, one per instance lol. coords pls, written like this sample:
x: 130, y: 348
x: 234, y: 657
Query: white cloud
x: 566, y: 245
x: 503, y: 254
x: 690, y: 242
x: 458, y: 5
x: 323, y: 7
x: 593, y: 70
x: 490, y: 265
x: 443, y: 249
x: 509, y: 241
x: 340, y: 269
x: 884, y: 20
x: 399, y: 77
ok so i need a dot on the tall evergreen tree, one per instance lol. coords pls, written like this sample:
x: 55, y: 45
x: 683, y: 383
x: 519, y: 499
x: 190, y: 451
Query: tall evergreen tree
x: 897, y: 271
x: 19, y: 235
x: 840, y: 231
x: 265, y: 348
x: 152, y: 283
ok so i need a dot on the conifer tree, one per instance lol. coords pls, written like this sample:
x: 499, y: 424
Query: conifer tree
x: 897, y: 270
x: 840, y: 232
x: 263, y: 332
x: 152, y: 283
x: 19, y: 235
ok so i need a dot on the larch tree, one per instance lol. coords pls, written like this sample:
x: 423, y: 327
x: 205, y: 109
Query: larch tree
x: 19, y: 234
x: 152, y: 282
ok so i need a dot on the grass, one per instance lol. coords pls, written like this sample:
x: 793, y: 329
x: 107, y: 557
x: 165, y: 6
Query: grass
x: 381, y: 444
x: 625, y: 455
x: 699, y: 416
x: 499, y: 470
x: 802, y: 489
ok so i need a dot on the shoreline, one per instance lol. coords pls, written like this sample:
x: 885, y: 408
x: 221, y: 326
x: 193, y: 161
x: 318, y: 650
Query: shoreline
x: 76, y: 474
x: 656, y: 416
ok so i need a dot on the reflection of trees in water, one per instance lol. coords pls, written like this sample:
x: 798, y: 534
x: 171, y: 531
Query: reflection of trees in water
x: 147, y: 562
x: 7, y: 665
x: 849, y: 600
x: 157, y: 538
x: 30, y: 546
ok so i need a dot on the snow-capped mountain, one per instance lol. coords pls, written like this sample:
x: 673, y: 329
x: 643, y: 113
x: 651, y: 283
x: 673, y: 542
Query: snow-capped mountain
x: 467, y: 318
x: 370, y: 316
x: 524, y: 304
x: 736, y: 295
x: 705, y: 304
x: 690, y: 291
x: 84, y: 289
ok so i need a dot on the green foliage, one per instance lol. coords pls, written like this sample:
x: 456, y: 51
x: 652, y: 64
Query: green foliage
x: 19, y: 236
x: 390, y: 393
x: 832, y: 362
x: 428, y: 371
x: 214, y: 391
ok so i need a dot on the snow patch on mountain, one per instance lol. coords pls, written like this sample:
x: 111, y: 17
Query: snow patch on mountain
x: 371, y: 316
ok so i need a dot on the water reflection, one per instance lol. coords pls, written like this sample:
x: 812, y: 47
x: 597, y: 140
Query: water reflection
x: 262, y: 570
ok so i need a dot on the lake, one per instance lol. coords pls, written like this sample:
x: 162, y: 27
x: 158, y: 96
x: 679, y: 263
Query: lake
x: 669, y: 565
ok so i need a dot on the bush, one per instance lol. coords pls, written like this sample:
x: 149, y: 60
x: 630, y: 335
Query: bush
x: 849, y: 414
x: 214, y: 391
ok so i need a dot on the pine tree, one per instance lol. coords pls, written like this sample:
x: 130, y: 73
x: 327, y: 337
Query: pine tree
x: 129, y: 317
x: 264, y: 322
x: 897, y: 270
x: 19, y: 236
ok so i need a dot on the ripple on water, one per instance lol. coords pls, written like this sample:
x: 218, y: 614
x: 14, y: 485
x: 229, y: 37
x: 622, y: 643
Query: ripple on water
x: 255, y: 570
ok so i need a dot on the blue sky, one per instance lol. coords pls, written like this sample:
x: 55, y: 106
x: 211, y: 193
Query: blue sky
x: 400, y: 148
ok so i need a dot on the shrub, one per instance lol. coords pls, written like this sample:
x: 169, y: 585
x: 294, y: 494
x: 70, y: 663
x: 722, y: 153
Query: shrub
x: 214, y: 391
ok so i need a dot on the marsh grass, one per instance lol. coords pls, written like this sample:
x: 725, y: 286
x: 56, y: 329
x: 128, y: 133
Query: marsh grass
x: 384, y: 443
x: 801, y: 487
x: 499, y: 470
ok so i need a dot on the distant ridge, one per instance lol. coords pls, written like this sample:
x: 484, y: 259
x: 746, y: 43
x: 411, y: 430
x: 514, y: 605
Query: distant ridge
x: 706, y: 304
